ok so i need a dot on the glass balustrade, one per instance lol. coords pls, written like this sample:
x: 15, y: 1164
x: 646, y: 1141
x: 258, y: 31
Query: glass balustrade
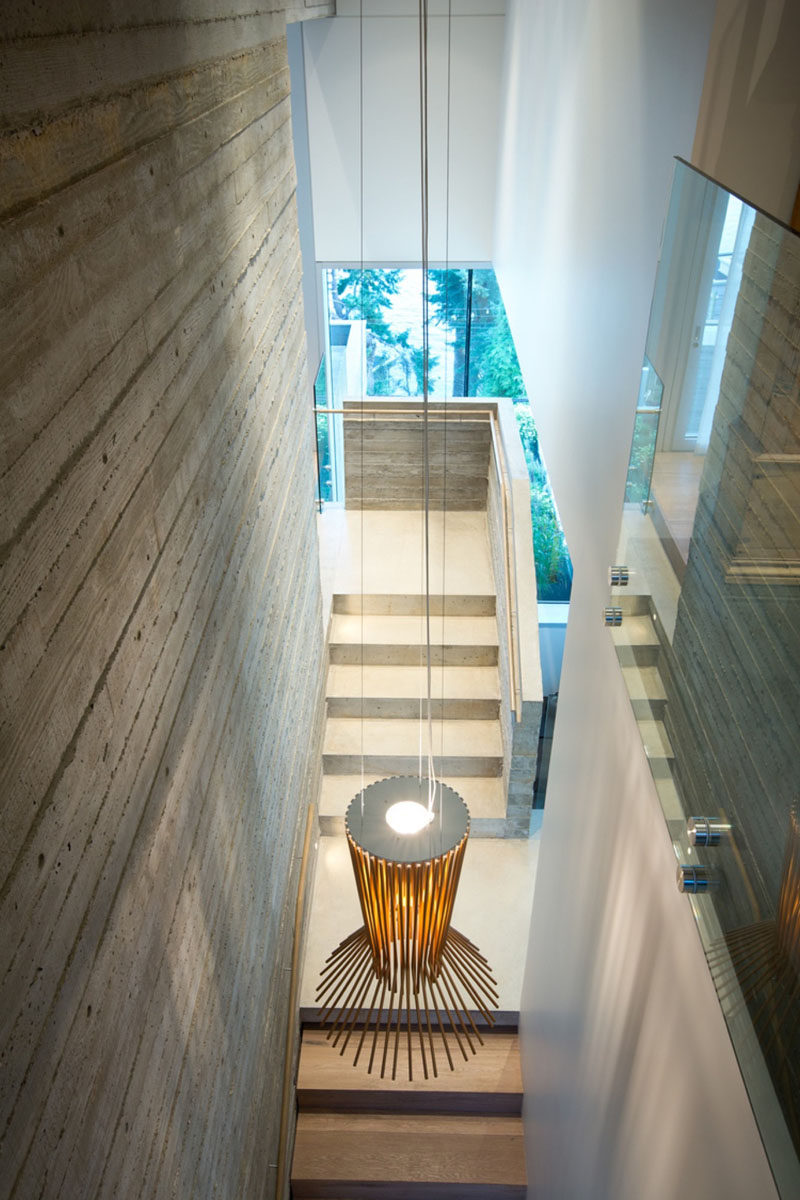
x: 709, y: 639
x: 325, y: 437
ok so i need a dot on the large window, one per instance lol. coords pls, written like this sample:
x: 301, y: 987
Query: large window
x: 471, y: 352
x: 374, y: 335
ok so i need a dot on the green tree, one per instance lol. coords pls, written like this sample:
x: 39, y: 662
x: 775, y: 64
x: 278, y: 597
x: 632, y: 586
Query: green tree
x: 497, y: 364
x: 551, y: 556
x: 493, y: 364
x: 447, y: 298
x: 367, y: 296
x: 494, y: 367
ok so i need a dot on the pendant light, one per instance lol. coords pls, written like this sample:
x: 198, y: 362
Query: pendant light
x: 406, y: 985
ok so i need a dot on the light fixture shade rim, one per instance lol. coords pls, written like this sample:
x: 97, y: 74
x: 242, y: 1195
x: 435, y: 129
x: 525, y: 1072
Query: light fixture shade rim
x: 366, y: 825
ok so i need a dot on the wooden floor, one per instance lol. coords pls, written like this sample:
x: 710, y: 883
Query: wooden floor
x: 458, y: 1135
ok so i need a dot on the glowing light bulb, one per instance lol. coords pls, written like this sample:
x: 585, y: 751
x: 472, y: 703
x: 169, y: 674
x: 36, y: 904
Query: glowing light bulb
x: 408, y: 816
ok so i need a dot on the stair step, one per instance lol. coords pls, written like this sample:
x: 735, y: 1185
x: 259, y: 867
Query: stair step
x: 460, y: 641
x: 649, y: 710
x: 484, y: 797
x: 636, y: 630
x: 455, y: 682
x: 643, y: 683
x: 397, y: 1157
x: 346, y: 735
x: 413, y: 605
x: 632, y: 603
x: 408, y: 708
x: 383, y: 764
x: 655, y: 740
x: 648, y: 698
x: 394, y: 691
x: 372, y: 653
x: 637, y: 654
x: 458, y: 631
x: 636, y: 641
x: 670, y: 798
x: 391, y: 746
x: 489, y: 1083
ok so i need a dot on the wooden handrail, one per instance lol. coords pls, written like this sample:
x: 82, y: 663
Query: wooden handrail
x: 510, y: 565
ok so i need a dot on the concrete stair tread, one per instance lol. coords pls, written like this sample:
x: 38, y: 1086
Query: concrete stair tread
x: 389, y: 680
x: 643, y: 683
x: 636, y: 654
x: 490, y: 1082
x: 655, y: 740
x: 635, y: 631
x: 670, y: 799
x: 632, y: 602
x: 410, y: 630
x: 408, y: 707
x: 483, y: 794
x: 409, y: 604
x: 408, y: 1154
x: 378, y: 735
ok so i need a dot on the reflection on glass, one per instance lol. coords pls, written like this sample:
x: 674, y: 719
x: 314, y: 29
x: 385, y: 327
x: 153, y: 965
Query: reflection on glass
x: 324, y: 490
x: 550, y: 554
x: 645, y: 430
x: 710, y: 639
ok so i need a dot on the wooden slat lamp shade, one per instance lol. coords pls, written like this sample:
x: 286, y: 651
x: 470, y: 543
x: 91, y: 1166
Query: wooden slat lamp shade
x: 406, y: 975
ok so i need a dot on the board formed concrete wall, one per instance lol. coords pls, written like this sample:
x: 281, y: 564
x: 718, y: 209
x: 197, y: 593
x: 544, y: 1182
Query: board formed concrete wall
x: 160, y: 612
x: 384, y: 455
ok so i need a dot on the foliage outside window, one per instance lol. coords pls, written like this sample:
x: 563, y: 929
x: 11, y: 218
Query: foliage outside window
x: 324, y: 457
x: 551, y: 556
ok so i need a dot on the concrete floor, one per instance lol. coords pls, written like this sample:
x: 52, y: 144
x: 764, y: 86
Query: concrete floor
x: 383, y: 552
x: 493, y: 908
x: 495, y: 894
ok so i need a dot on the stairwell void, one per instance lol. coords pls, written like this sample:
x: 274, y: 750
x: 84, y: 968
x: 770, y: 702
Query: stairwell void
x: 459, y: 1134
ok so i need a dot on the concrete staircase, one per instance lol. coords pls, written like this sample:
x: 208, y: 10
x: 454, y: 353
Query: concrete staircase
x: 375, y: 680
x: 638, y: 649
x: 456, y: 1136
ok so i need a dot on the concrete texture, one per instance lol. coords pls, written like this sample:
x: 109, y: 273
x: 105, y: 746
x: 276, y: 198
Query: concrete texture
x: 384, y: 454
x: 160, y: 611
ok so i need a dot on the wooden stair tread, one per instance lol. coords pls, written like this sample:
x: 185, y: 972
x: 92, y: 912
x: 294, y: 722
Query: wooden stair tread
x: 457, y: 1155
x: 490, y: 1082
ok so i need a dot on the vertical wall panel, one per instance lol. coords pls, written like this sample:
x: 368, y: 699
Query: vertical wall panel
x: 160, y: 610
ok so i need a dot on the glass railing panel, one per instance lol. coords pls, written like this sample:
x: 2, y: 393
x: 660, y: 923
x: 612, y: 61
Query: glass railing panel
x: 550, y: 554
x: 324, y: 442
x: 645, y: 433
x: 708, y: 636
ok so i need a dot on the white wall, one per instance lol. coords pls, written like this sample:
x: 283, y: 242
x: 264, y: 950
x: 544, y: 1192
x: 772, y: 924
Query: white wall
x: 382, y: 223
x: 633, y: 1092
